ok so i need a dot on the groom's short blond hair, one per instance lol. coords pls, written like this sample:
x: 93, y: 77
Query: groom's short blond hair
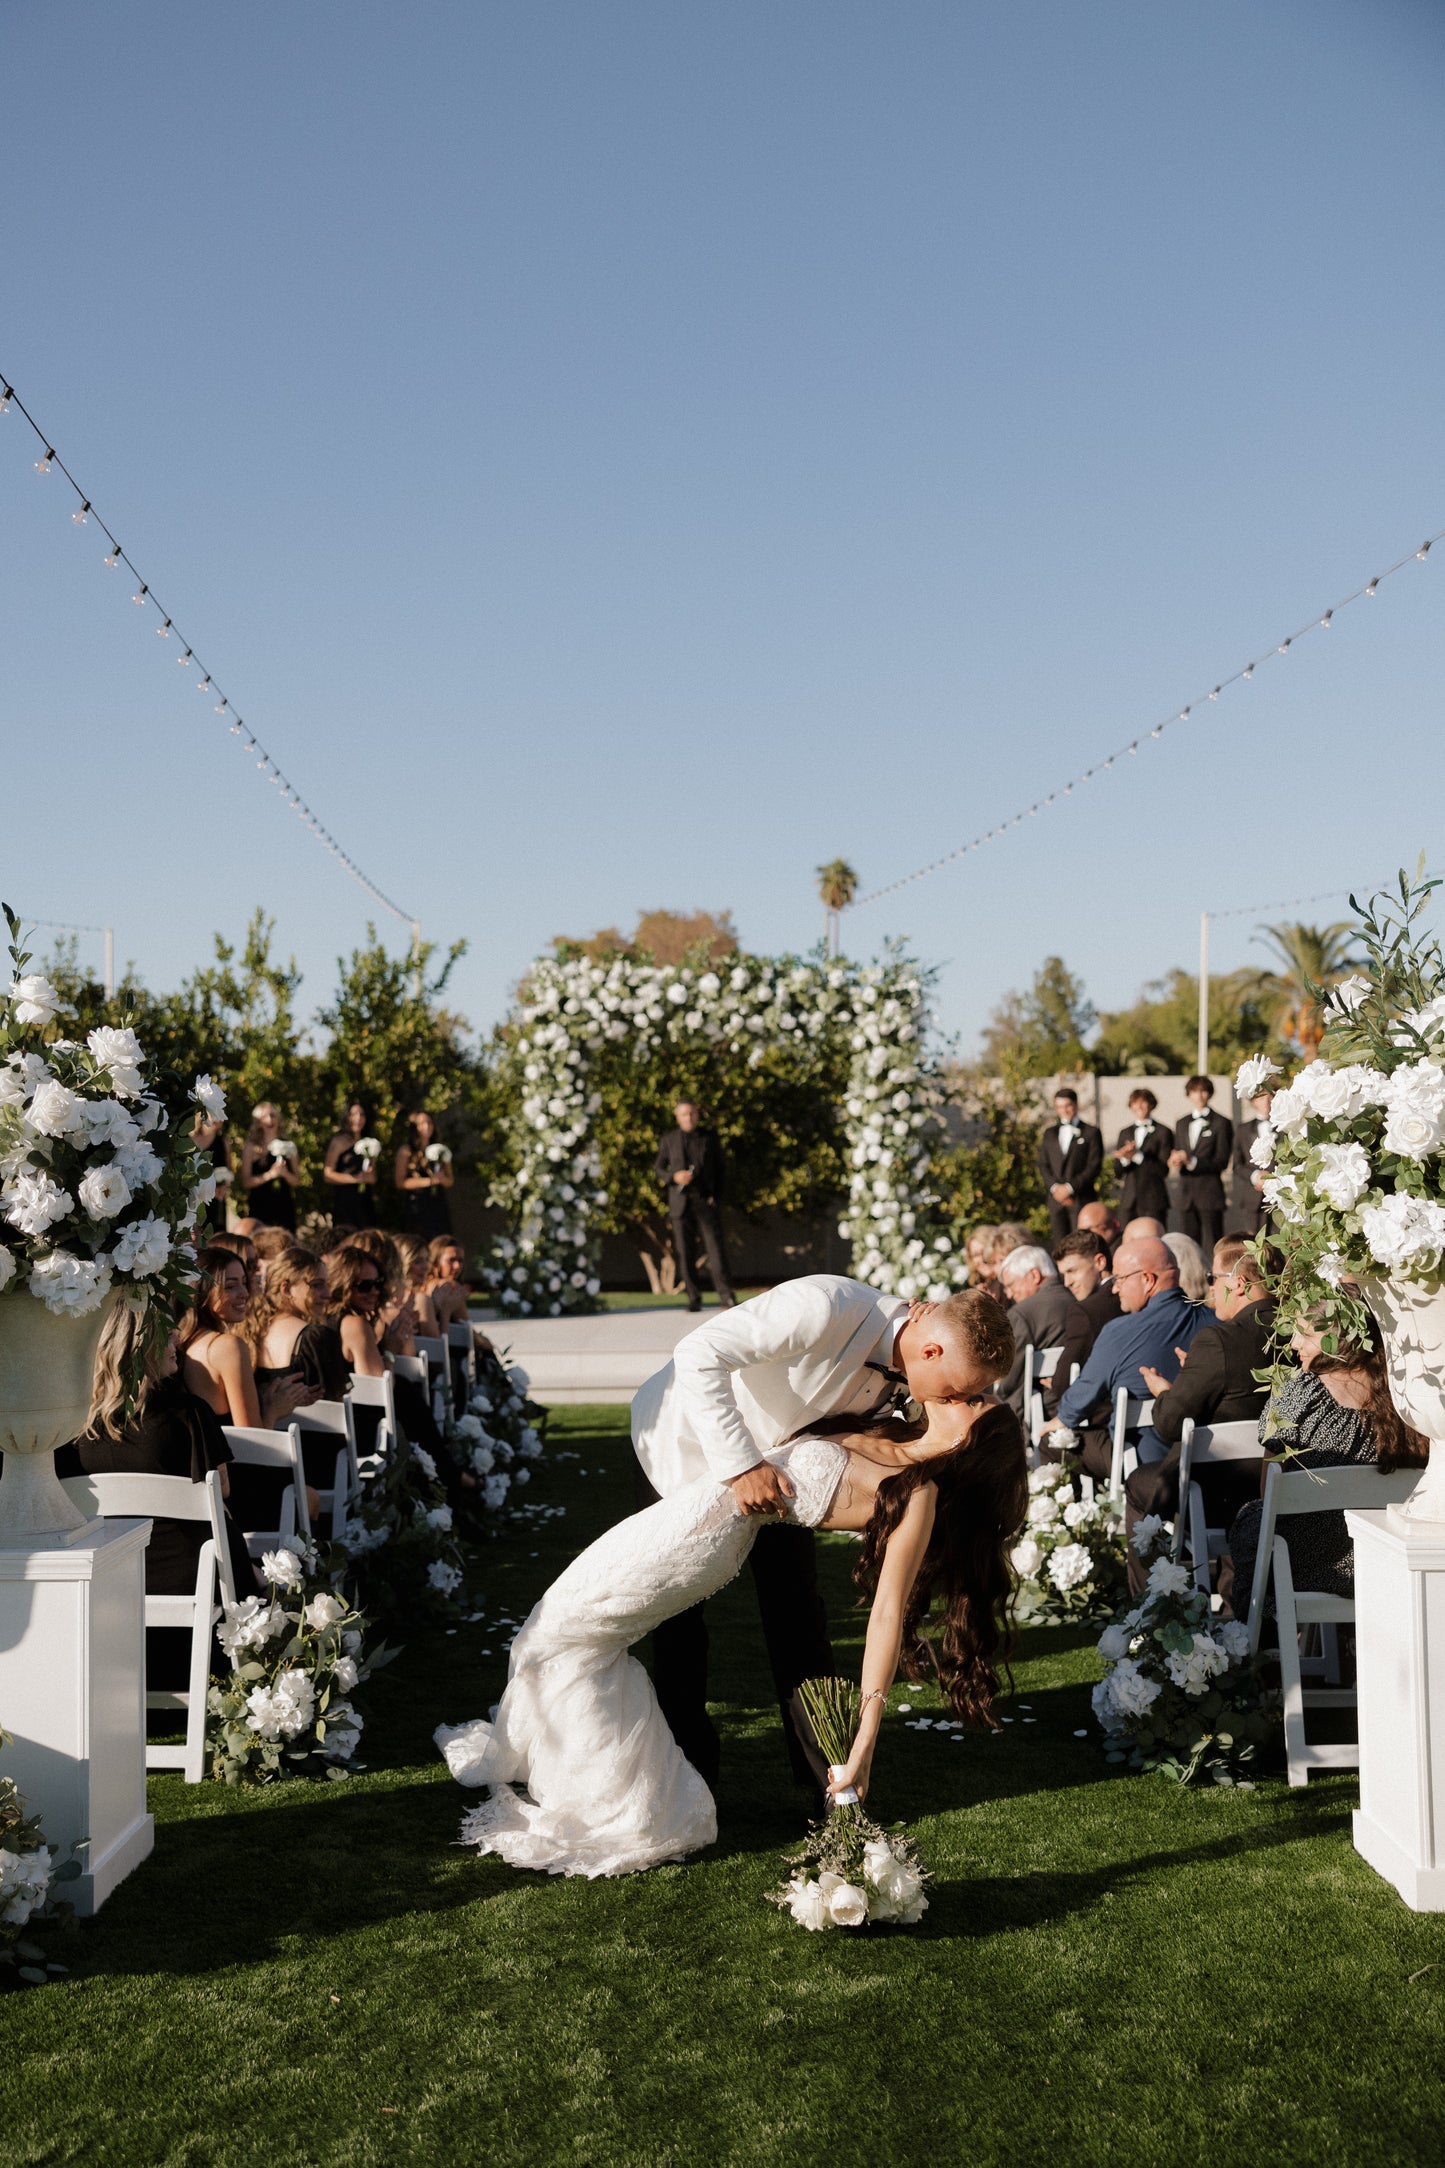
x: 980, y: 1323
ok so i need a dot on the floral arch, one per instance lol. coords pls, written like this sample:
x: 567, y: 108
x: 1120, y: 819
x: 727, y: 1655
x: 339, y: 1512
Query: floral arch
x: 575, y: 1008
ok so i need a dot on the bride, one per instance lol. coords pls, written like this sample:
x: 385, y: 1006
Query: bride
x: 608, y: 1790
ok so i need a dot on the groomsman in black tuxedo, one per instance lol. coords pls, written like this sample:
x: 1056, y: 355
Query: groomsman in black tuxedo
x: 1203, y: 1141
x: 689, y: 1161
x: 1246, y: 1205
x: 1142, y: 1157
x: 1071, y: 1154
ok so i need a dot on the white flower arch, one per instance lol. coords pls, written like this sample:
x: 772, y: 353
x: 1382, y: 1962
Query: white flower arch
x: 741, y: 1008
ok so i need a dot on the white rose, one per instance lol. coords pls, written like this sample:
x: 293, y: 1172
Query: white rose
x: 1281, y: 1193
x: 440, y: 1517
x: 1076, y: 1512
x: 1415, y: 1110
x: 1070, y: 1566
x: 807, y: 1905
x: 1168, y: 1579
x: 54, y: 1111
x: 847, y: 1905
x: 35, y: 999
x: 1344, y: 1174
x: 1290, y: 1111
x: 322, y: 1611
x: 442, y: 1577
x: 494, y: 1491
x: 211, y: 1097
x: 1261, y: 1152
x: 282, y: 1568
x: 104, y: 1192
x: 1254, y: 1075
x: 1146, y: 1529
x: 32, y: 1202
x: 1043, y: 1510
x: 119, y: 1052
x: 344, y: 1673
x: 1113, y: 1643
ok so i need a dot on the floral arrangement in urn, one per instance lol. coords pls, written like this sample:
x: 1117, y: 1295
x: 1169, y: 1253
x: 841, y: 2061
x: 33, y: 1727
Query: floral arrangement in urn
x: 1180, y: 1691
x: 297, y: 1655
x: 1070, y: 1557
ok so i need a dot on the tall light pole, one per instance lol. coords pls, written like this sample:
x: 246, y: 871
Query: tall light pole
x: 1203, y: 1062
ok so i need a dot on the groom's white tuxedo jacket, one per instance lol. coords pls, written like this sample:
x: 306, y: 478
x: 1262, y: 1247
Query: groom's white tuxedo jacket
x: 747, y: 1379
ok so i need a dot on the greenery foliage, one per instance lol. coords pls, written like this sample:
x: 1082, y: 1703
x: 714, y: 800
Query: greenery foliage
x: 1041, y: 1032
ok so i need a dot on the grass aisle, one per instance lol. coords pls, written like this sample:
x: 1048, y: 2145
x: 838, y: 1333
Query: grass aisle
x: 1111, y: 1970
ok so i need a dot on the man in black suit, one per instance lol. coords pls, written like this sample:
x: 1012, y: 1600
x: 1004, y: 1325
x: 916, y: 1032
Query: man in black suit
x: 1084, y: 1268
x: 1142, y: 1157
x: 1216, y: 1385
x: 1041, y: 1313
x: 1246, y: 1204
x: 1203, y: 1141
x: 1071, y: 1153
x: 689, y: 1161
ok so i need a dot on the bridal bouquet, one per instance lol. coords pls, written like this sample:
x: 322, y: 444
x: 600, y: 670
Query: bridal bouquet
x: 297, y: 1654
x: 1180, y: 1692
x: 100, y: 1183
x: 367, y: 1150
x: 850, y: 1873
x: 1355, y: 1146
x: 1070, y: 1557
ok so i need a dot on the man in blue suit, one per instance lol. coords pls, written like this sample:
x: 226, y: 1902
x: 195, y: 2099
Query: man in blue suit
x: 1155, y: 1330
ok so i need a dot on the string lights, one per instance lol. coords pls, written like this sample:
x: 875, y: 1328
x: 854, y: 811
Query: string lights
x: 1320, y: 623
x: 144, y: 599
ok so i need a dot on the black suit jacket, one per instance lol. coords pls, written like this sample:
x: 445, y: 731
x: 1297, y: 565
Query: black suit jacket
x: 1216, y: 1385
x: 1079, y: 1166
x: 1100, y: 1308
x: 1202, y: 1182
x: 1247, y: 1204
x: 699, y: 1150
x: 1144, y: 1180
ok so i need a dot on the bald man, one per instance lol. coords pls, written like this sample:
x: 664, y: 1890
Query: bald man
x: 1143, y: 1230
x: 1101, y: 1219
x: 1156, y: 1328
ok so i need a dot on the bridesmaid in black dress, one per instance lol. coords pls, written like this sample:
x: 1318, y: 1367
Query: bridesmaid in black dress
x: 270, y: 1175
x: 209, y: 1137
x: 350, y: 1175
x: 423, y: 1177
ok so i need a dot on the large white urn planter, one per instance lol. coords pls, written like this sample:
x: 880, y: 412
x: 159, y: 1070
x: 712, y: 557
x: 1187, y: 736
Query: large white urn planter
x: 1412, y: 1324
x: 46, y: 1367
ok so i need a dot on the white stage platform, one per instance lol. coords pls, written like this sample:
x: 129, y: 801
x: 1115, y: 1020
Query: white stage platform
x: 573, y: 1360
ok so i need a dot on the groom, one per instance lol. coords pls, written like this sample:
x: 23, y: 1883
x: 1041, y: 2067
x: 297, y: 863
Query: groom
x: 741, y: 1384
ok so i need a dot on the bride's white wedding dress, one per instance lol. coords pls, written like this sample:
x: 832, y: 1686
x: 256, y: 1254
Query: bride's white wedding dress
x: 608, y: 1791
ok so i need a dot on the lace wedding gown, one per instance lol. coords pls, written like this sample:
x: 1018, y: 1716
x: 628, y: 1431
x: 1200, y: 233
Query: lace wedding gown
x: 608, y: 1790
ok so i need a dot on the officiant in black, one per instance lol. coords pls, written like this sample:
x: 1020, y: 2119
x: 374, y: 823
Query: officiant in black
x: 1142, y: 1158
x: 689, y: 1162
x: 1071, y: 1154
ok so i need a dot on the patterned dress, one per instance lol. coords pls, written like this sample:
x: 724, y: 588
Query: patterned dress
x: 1318, y: 1433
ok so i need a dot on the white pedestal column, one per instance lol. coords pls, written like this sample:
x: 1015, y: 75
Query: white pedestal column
x: 1400, y: 1638
x: 72, y: 1692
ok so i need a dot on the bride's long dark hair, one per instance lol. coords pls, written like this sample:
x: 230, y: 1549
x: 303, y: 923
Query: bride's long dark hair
x: 983, y: 1496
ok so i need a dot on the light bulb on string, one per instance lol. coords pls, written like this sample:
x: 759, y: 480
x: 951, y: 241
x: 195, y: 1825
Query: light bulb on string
x: 42, y: 466
x: 1371, y: 585
x: 1216, y: 692
x: 1423, y: 551
x: 82, y: 515
x: 1283, y: 647
x: 140, y: 594
x: 235, y: 730
x: 184, y: 659
x: 113, y: 559
x: 1249, y: 673
x: 1326, y: 620
x: 163, y: 632
x: 222, y: 707
x: 7, y: 393
x: 204, y: 686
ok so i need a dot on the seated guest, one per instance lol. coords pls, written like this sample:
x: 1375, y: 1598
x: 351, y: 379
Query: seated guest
x: 1071, y: 1153
x: 1041, y: 1313
x: 1084, y: 1268
x: 1100, y: 1219
x: 1151, y: 1230
x: 372, y: 1311
x: 270, y: 1170
x: 1158, y: 1325
x: 243, y: 1247
x: 1337, y: 1412
x: 170, y: 1432
x: 975, y: 1253
x: 423, y: 1178
x: 1246, y: 1181
x: 287, y: 1330
x: 1193, y: 1276
x: 1203, y: 1141
x: 1003, y: 1241
x: 1216, y: 1385
x: 215, y: 1362
x: 1142, y: 1158
x: 444, y: 1285
x: 269, y: 1244
x: 415, y: 1265
x: 349, y: 1180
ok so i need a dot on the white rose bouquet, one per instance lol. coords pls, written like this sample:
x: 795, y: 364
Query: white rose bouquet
x: 367, y: 1150
x: 282, y: 1148
x: 28, y: 1876
x: 297, y: 1656
x: 1070, y: 1556
x: 438, y: 1155
x: 1180, y: 1692
x: 100, y: 1183
x: 1355, y: 1145
x: 850, y: 1873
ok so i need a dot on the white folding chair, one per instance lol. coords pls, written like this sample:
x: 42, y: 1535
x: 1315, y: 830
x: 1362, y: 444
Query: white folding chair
x: 1204, y: 1445
x: 174, y: 1498
x: 1312, y: 1490
x: 281, y: 1450
x: 435, y: 1357
x: 462, y: 1348
x: 333, y: 1419
x: 1129, y: 1414
x: 1040, y: 1368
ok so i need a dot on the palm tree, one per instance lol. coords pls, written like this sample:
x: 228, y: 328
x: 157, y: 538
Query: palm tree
x: 837, y: 885
x: 1311, y: 960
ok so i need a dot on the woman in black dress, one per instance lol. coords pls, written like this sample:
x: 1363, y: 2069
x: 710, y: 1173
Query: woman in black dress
x: 1142, y: 1158
x: 270, y: 1169
x: 208, y: 1133
x: 423, y: 1176
x: 349, y: 1174
x: 170, y: 1433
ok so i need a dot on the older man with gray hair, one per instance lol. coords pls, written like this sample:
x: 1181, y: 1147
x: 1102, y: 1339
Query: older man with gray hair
x: 1153, y: 1334
x: 1041, y: 1313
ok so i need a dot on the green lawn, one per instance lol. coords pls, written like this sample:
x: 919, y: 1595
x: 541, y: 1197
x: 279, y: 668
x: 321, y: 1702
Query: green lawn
x: 1111, y: 1971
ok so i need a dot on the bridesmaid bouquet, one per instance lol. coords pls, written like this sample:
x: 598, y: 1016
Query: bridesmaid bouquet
x: 367, y: 1149
x: 438, y: 1155
x: 281, y: 1148
x: 850, y: 1873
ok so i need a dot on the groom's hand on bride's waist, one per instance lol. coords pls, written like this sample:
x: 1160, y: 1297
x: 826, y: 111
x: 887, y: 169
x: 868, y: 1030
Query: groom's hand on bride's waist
x: 761, y: 1490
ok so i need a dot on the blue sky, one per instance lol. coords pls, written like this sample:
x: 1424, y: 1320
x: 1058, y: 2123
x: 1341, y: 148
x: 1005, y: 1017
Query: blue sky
x: 622, y: 456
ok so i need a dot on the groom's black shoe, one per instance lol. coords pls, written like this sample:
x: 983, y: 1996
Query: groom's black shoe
x: 695, y: 1305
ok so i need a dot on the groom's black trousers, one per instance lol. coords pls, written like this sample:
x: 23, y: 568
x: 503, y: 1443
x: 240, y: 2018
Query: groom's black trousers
x: 784, y: 1566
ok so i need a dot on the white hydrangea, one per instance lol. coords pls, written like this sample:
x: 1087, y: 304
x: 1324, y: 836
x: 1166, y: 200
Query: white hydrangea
x: 424, y: 1460
x: 283, y: 1710
x: 344, y: 1673
x: 1204, y: 1661
x: 33, y: 1202
x: 141, y: 1165
x: 1343, y: 1174
x: 70, y: 1286
x: 440, y: 1518
x: 250, y: 1624
x: 1070, y: 1566
x: 24, y: 1884
x: 142, y: 1247
x: 1131, y: 1691
x: 1146, y: 1529
x: 343, y: 1731
x: 494, y: 1491
x: 442, y: 1577
x: 1403, y: 1231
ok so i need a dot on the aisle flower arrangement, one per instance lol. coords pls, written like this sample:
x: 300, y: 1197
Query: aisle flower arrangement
x: 851, y: 1872
x: 100, y: 1184
x: 402, y: 1545
x: 1070, y: 1558
x: 1180, y: 1691
x: 575, y: 1007
x: 1355, y: 1145
x: 499, y: 1435
x: 298, y: 1655
x: 28, y: 1880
